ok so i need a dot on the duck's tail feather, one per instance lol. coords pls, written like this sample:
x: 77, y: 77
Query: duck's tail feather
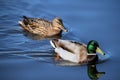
x: 25, y: 17
x: 54, y: 43
x: 26, y: 20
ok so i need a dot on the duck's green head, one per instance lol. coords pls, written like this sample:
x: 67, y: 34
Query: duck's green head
x: 93, y: 47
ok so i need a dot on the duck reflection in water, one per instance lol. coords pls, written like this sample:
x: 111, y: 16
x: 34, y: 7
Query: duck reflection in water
x: 92, y: 71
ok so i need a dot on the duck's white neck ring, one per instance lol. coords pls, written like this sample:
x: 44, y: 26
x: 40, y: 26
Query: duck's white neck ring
x: 91, y: 54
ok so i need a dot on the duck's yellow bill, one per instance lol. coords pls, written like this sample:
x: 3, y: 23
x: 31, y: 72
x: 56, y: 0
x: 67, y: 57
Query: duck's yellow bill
x: 100, y: 74
x: 100, y: 51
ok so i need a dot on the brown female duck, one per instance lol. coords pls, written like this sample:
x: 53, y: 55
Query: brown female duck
x: 42, y: 27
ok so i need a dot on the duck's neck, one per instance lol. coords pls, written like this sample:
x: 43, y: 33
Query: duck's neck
x: 91, y: 53
x: 92, y: 58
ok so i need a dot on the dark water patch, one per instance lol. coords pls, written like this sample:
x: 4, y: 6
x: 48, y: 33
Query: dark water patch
x: 3, y: 35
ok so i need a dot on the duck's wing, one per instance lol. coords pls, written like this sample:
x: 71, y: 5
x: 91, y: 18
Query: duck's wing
x: 70, y: 46
x: 65, y: 44
x: 66, y: 55
x: 35, y: 22
x: 35, y: 25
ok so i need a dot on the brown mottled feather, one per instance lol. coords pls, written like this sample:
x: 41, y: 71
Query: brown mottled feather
x: 41, y: 26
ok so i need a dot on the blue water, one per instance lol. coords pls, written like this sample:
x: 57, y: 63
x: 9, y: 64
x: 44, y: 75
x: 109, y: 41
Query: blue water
x: 85, y: 19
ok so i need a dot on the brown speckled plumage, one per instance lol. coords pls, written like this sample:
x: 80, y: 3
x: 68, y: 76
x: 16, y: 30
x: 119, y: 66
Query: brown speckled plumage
x: 42, y: 27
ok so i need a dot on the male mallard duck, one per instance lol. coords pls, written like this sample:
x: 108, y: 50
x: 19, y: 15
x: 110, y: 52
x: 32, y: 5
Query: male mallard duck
x: 92, y: 71
x: 42, y: 27
x: 76, y: 52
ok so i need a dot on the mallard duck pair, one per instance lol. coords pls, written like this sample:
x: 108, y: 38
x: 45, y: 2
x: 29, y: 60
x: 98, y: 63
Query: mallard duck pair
x: 42, y: 27
x: 67, y: 50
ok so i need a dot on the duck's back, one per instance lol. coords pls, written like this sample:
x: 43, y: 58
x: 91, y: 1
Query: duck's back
x: 39, y: 22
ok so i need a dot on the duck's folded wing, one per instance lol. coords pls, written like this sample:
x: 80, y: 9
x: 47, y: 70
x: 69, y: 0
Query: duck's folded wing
x: 66, y: 55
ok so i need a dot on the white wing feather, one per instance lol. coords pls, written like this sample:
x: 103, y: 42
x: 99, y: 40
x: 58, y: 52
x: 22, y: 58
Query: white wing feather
x: 67, y: 55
